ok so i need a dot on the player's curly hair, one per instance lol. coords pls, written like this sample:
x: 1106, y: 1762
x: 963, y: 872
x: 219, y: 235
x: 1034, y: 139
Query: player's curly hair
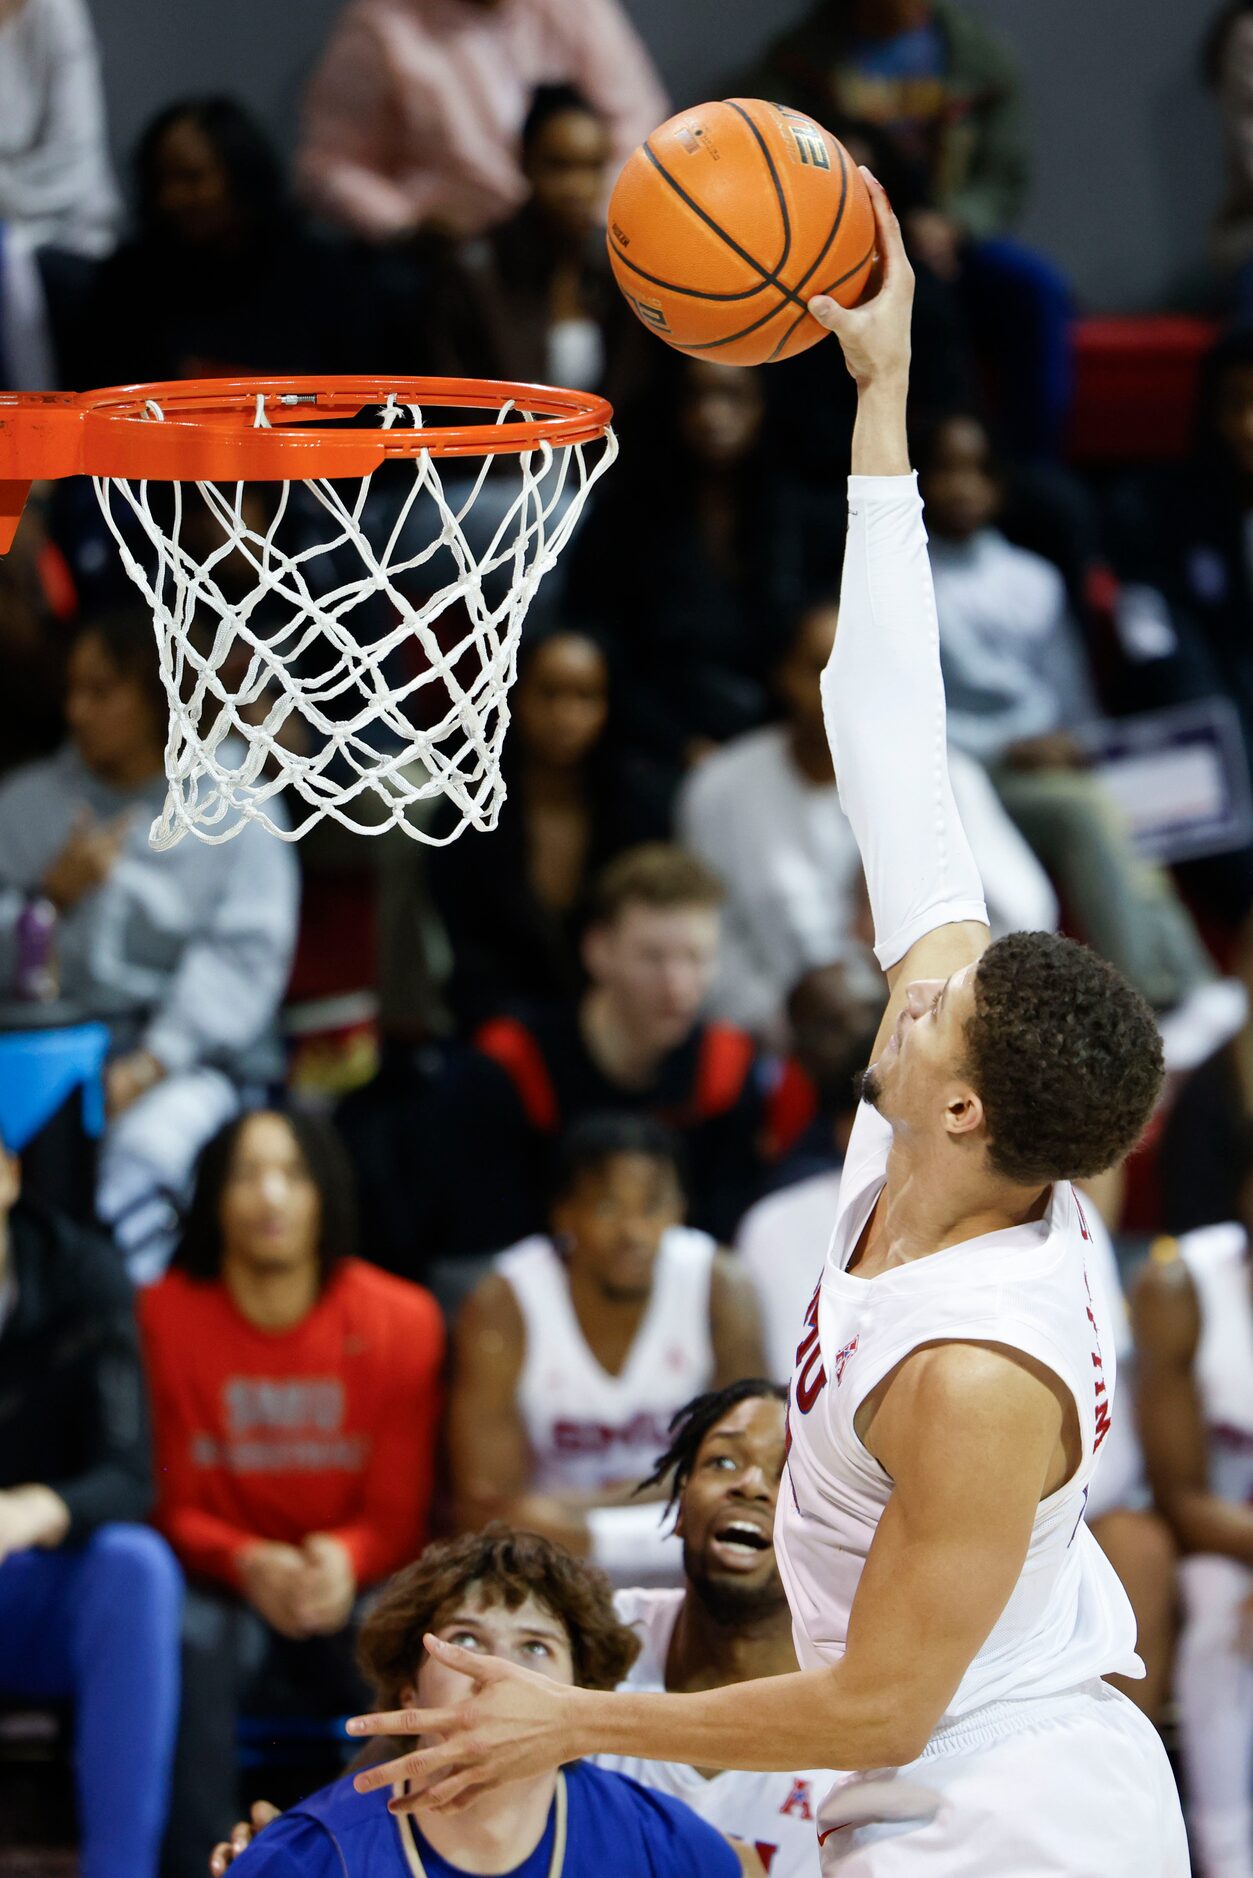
x: 690, y: 1424
x: 507, y: 1567
x: 1065, y: 1056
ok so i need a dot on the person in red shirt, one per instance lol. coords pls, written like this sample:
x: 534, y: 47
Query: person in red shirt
x: 295, y: 1399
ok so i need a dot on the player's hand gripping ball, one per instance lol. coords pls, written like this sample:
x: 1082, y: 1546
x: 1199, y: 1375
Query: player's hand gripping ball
x: 728, y: 220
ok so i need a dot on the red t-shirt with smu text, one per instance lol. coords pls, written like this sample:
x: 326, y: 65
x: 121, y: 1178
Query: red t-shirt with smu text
x: 328, y: 1427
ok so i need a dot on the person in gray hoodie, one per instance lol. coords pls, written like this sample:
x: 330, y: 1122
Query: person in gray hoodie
x: 185, y: 953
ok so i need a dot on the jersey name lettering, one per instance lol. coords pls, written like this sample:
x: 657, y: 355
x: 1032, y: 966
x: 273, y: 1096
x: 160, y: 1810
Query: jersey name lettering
x: 811, y: 1377
x: 579, y: 1437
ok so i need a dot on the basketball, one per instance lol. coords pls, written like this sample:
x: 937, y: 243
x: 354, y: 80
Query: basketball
x: 728, y: 219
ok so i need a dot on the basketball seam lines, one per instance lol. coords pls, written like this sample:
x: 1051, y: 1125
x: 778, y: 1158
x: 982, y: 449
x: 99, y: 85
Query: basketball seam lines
x: 768, y: 278
x: 714, y: 345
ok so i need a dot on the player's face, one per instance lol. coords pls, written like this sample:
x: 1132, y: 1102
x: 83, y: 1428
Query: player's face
x: 726, y: 1517
x: 270, y: 1212
x: 721, y: 414
x: 658, y: 964
x: 959, y: 488
x: 919, y: 1067
x: 109, y: 713
x: 561, y: 701
x: 191, y: 189
x: 799, y: 677
x: 611, y: 1225
x: 531, y: 1637
x: 1234, y: 415
x: 566, y: 170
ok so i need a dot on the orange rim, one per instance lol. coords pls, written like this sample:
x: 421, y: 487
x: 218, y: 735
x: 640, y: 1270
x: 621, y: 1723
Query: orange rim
x: 209, y: 431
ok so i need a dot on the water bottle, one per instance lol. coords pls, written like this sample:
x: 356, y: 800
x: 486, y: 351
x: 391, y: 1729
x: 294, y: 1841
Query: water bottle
x: 35, y: 979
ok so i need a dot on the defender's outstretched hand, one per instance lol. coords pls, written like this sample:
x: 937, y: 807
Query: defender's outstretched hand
x: 514, y: 1725
x: 875, y: 334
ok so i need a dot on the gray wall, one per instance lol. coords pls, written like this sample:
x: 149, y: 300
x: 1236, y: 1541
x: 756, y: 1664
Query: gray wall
x: 1126, y: 151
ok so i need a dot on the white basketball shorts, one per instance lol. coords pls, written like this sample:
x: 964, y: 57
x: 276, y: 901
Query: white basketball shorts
x: 1075, y: 1785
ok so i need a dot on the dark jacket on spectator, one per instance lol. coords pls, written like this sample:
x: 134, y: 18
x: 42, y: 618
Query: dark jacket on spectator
x: 734, y: 1108
x: 73, y: 1412
x: 1202, y: 1148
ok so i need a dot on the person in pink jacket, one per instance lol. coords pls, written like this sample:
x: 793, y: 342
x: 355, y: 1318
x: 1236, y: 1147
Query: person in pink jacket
x: 413, y: 116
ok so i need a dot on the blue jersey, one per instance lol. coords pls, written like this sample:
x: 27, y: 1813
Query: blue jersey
x: 602, y: 1823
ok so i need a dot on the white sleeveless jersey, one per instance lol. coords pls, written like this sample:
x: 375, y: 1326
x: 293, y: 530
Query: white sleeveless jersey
x: 1068, y: 1618
x: 1217, y: 1258
x: 776, y: 1813
x: 587, y: 1429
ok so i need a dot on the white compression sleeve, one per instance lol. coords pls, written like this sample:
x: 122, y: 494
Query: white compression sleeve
x: 883, y: 700
x: 634, y: 1544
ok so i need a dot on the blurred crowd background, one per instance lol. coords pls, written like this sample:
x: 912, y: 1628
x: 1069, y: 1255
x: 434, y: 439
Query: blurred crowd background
x: 361, y: 1191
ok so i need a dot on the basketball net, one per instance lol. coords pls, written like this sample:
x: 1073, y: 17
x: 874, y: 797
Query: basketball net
x: 342, y: 684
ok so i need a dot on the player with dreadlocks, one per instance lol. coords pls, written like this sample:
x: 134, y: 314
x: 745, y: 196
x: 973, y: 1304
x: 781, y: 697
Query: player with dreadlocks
x: 730, y: 1621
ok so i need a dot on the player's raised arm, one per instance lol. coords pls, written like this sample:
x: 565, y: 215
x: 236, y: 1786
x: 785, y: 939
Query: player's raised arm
x: 882, y: 690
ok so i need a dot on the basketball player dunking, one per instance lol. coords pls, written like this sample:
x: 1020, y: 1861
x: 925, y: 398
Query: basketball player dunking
x: 952, y: 1615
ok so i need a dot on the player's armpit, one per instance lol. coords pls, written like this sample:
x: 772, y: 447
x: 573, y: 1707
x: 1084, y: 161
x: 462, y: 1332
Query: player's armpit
x: 970, y: 1435
x: 488, y: 1449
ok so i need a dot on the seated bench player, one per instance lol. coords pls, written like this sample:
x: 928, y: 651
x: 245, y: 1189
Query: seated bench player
x: 518, y: 1597
x: 572, y: 1356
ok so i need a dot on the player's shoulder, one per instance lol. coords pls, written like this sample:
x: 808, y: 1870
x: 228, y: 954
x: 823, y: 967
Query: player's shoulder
x: 1211, y: 1248
x: 385, y: 1294
x: 661, y: 1835
x: 652, y: 1614
x: 330, y: 1833
x: 388, y: 1314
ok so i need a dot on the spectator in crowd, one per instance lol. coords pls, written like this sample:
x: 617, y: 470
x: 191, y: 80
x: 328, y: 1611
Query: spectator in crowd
x: 1193, y: 1312
x: 512, y: 901
x: 220, y: 276
x: 574, y: 1353
x: 38, y: 603
x: 58, y: 198
x: 833, y: 1013
x: 694, y: 561
x: 1018, y: 687
x: 763, y: 813
x: 1229, y: 69
x: 634, y: 1040
x: 184, y: 952
x: 89, y: 1598
x: 1184, y: 533
x: 295, y: 1395
x: 533, y: 298
x: 945, y: 90
x: 516, y: 1596
x: 413, y: 116
x: 1205, y: 1127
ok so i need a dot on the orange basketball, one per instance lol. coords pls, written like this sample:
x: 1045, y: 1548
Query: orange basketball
x: 728, y: 219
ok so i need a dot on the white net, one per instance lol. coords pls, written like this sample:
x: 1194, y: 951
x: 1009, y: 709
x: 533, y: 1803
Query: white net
x: 346, y: 650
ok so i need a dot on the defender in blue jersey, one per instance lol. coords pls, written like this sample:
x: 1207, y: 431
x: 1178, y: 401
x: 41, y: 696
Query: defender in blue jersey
x: 517, y: 1597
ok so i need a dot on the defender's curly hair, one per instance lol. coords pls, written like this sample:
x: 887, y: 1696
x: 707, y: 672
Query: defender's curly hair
x: 507, y: 1567
x: 1065, y: 1055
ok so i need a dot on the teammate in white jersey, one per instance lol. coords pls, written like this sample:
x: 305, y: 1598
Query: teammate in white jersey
x: 575, y: 1352
x: 951, y: 1614
x: 730, y: 1622
x: 1194, y: 1333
